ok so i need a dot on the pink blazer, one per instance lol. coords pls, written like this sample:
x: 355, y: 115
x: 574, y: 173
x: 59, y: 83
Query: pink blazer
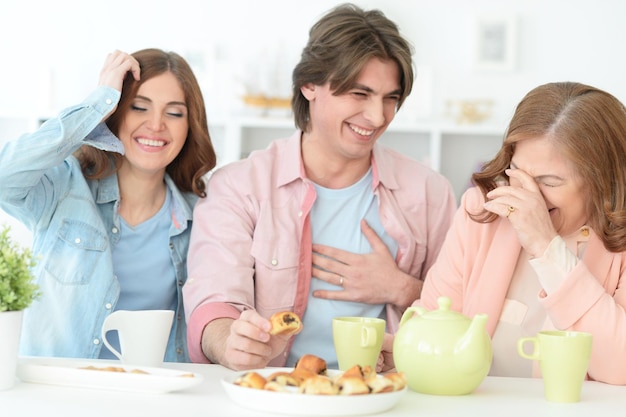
x: 476, y: 265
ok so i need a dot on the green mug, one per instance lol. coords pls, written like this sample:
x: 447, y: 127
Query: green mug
x: 358, y: 340
x: 563, y: 359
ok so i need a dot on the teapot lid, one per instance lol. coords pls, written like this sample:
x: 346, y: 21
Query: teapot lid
x: 444, y: 312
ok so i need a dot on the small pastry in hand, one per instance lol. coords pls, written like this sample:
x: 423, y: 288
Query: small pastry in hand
x: 312, y: 363
x: 251, y: 380
x: 285, y: 323
x: 318, y: 384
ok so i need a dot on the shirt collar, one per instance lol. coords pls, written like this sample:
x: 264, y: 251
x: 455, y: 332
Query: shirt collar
x: 383, y: 169
x: 107, y: 190
x: 293, y: 165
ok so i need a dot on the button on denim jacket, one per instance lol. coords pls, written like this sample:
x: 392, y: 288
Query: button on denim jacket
x: 74, y: 222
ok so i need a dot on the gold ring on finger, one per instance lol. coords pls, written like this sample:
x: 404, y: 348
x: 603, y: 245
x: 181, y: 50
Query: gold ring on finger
x: 509, y: 210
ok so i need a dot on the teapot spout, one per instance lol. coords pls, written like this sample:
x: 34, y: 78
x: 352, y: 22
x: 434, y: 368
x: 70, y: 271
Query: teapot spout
x: 473, y: 351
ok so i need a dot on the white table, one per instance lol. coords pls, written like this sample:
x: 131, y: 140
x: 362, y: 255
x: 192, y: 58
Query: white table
x: 495, y: 397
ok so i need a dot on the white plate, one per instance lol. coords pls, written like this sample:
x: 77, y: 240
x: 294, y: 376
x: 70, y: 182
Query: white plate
x: 73, y: 374
x: 307, y: 404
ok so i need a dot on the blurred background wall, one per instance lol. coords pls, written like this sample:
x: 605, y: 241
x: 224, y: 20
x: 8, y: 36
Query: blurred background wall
x: 52, y: 50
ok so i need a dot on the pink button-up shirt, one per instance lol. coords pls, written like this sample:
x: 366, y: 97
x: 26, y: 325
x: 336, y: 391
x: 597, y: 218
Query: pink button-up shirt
x: 251, y: 239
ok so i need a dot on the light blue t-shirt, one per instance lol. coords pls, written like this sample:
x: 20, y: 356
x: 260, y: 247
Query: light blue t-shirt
x: 144, y: 268
x: 336, y: 221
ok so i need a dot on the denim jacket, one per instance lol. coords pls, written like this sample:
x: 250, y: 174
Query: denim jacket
x: 75, y: 222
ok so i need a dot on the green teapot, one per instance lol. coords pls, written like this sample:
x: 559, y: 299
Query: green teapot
x: 442, y: 352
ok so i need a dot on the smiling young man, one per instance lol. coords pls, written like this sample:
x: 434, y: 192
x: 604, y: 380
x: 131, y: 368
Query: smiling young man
x: 325, y: 223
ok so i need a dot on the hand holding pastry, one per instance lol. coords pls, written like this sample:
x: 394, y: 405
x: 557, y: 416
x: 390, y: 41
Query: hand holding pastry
x: 248, y: 343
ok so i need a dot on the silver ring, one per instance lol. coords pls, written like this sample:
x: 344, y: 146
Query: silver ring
x: 341, y: 281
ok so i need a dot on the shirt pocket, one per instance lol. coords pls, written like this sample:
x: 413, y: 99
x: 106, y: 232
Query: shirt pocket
x: 76, y: 252
x: 276, y: 274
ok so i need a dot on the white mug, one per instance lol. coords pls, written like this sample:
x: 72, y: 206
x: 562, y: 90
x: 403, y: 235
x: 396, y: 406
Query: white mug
x: 143, y: 335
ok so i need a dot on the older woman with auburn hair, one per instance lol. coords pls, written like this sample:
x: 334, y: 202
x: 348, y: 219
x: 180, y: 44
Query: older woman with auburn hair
x: 108, y: 189
x: 539, y: 243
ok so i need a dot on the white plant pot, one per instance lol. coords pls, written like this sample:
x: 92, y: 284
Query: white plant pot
x: 10, y: 329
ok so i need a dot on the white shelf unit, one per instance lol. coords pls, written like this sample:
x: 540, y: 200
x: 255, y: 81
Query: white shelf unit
x: 454, y: 150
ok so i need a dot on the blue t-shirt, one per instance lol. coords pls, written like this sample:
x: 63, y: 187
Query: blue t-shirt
x: 144, y: 268
x: 336, y: 221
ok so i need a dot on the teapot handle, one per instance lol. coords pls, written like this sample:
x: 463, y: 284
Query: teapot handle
x: 410, y: 312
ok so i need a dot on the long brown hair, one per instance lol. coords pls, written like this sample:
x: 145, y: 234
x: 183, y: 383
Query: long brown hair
x: 339, y: 46
x: 196, y: 158
x: 588, y: 126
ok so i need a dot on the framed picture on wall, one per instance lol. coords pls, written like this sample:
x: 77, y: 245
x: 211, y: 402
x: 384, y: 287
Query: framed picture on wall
x: 495, y: 43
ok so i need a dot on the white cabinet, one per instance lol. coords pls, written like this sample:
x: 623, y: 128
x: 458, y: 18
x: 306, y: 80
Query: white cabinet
x: 454, y: 150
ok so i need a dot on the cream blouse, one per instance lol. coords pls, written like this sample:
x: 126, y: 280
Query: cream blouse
x: 522, y: 315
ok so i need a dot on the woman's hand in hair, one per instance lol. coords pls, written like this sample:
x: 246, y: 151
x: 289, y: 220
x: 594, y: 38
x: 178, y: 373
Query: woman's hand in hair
x: 115, y: 67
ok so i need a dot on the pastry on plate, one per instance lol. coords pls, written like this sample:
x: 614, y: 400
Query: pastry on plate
x: 352, y: 385
x: 275, y: 386
x: 364, y: 372
x: 311, y: 363
x: 378, y: 385
x: 251, y: 380
x: 284, y: 378
x: 398, y: 379
x: 301, y: 374
x: 318, y: 385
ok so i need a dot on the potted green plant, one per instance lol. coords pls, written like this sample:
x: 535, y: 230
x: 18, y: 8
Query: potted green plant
x: 17, y: 291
